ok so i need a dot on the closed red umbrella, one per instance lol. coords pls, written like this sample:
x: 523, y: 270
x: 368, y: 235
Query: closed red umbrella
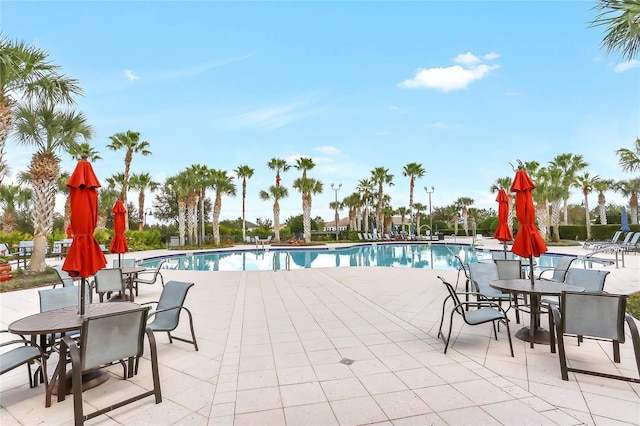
x: 503, y: 233
x: 84, y: 257
x: 119, y: 243
x: 528, y: 242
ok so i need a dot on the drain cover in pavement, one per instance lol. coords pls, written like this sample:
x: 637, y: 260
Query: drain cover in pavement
x: 346, y: 361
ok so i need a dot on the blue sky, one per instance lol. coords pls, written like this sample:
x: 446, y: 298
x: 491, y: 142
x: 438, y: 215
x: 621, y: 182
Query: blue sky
x: 462, y: 87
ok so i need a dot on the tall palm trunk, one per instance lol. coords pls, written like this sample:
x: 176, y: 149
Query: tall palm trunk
x: 602, y: 209
x: 365, y: 213
x: 555, y: 219
x: 216, y: 218
x: 276, y: 221
x: 306, y: 217
x: 587, y: 215
x: 244, y: 198
x: 44, y: 171
x: 465, y: 221
x: 182, y: 208
x: 542, y: 216
x: 633, y: 208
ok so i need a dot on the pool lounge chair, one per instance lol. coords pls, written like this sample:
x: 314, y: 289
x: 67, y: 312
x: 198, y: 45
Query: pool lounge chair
x: 593, y: 244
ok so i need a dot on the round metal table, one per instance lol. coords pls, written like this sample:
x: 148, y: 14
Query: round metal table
x: 533, y: 333
x: 64, y: 320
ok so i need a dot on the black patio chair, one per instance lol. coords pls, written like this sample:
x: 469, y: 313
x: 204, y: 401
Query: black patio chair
x: 599, y: 316
x: 21, y: 352
x: 486, y: 312
x: 166, y: 317
x: 152, y: 276
x: 108, y: 339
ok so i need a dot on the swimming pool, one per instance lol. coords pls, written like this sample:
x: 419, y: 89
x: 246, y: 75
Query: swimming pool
x: 429, y: 256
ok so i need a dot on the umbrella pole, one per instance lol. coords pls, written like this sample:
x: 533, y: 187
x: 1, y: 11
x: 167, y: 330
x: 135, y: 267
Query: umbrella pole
x: 531, y: 270
x: 82, y: 295
x: 119, y: 260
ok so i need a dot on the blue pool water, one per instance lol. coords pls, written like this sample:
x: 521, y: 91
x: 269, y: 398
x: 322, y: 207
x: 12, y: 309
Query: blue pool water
x: 430, y: 256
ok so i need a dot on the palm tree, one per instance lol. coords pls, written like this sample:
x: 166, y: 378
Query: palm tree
x: 402, y: 211
x: 10, y: 197
x: 202, y: 176
x: 27, y: 73
x: 177, y: 185
x: 279, y: 165
x: 222, y: 184
x: 586, y: 183
x: 414, y: 171
x: 142, y: 182
x: 244, y: 173
x: 630, y: 160
x: 304, y: 164
x: 275, y: 193
x: 601, y: 186
x: 419, y: 208
x: 569, y: 165
x: 129, y: 142
x: 621, y: 19
x: 352, y: 202
x: 49, y: 130
x: 365, y: 189
x: 380, y: 176
x: 77, y: 151
x: 629, y: 188
x: 552, y: 179
x: 307, y: 187
x: 461, y: 205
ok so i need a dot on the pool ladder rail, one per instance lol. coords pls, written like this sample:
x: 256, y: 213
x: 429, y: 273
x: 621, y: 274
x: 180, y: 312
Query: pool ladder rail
x: 287, y: 261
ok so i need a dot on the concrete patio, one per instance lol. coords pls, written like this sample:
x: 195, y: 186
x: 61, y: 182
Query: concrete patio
x: 271, y: 345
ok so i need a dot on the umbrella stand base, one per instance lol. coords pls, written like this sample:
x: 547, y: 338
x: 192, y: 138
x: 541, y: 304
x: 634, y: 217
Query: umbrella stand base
x: 90, y: 379
x: 540, y: 336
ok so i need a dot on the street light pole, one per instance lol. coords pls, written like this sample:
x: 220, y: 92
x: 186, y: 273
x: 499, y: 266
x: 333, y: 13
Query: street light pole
x: 430, y: 217
x: 149, y: 212
x: 335, y: 190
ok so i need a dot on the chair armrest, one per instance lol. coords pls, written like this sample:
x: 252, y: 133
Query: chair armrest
x: 540, y: 277
x: 483, y: 304
x: 148, y: 303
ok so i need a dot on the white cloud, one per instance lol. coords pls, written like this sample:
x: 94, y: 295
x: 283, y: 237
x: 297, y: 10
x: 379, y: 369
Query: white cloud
x: 455, y: 77
x: 328, y: 150
x: 130, y: 75
x: 628, y: 65
x: 467, y: 59
x: 447, y: 79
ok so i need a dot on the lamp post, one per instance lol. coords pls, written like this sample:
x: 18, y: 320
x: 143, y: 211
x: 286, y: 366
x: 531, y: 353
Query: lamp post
x: 149, y: 212
x: 430, y: 217
x: 335, y: 190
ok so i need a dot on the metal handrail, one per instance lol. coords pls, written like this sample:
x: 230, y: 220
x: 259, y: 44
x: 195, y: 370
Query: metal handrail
x: 287, y: 261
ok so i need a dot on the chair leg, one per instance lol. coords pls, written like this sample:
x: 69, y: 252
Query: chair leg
x: 506, y: 323
x: 76, y: 385
x: 561, y: 353
x: 154, y: 366
x: 616, y: 351
x: 495, y: 333
x: 446, y: 343
x: 552, y: 332
x: 442, y: 316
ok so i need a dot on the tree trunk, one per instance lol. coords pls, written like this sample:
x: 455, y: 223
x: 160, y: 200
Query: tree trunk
x: 44, y: 199
x: 216, y: 219
x: 182, y: 207
x: 276, y: 221
x: 587, y: 216
x: 306, y: 217
x: 555, y: 219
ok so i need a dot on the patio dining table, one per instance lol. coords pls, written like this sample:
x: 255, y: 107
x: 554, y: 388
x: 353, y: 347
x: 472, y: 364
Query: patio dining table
x: 64, y: 320
x: 534, y: 333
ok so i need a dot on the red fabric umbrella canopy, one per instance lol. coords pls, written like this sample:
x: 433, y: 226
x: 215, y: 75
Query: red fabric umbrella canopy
x: 503, y: 233
x: 528, y: 241
x: 119, y: 242
x: 84, y: 257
